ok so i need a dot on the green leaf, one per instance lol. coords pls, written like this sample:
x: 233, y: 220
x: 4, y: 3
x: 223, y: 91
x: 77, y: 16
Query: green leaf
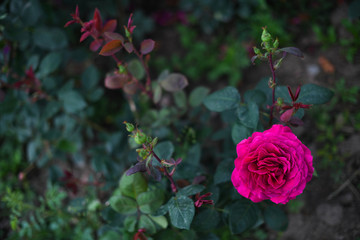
x: 174, y: 82
x: 150, y: 201
x: 282, y: 92
x: 191, y: 190
x: 180, y: 99
x: 33, y: 62
x: 157, y: 92
x: 66, y: 146
x: 110, y: 235
x: 181, y: 211
x: 221, y: 100
x: 249, y: 115
x: 136, y: 69
x: 148, y: 224
x: 49, y: 38
x: 72, y: 101
x: 242, y: 216
x: 130, y: 223
x: 133, y: 185
x: 314, y: 94
x: 160, y: 220
x: 239, y: 132
x: 194, y: 155
x: 275, y: 218
x: 255, y: 96
x: 164, y: 150
x: 123, y: 205
x: 197, y: 96
x: 206, y: 220
x: 50, y: 63
x: 90, y: 78
x: 223, y: 171
x: 31, y: 12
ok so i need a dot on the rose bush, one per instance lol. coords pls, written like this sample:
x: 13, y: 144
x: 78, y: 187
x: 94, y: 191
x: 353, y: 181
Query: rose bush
x: 273, y: 164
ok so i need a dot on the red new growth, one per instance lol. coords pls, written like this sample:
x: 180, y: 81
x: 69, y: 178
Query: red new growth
x: 290, y: 110
x: 200, y: 199
x: 93, y: 28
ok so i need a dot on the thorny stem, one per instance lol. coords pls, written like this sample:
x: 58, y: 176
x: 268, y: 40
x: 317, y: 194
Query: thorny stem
x: 273, y: 88
x: 173, y: 185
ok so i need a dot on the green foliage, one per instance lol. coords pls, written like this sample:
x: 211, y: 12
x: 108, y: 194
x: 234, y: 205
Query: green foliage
x: 133, y: 185
x: 221, y: 100
x: 243, y: 215
x: 61, y: 121
x: 275, y: 218
x: 181, y: 211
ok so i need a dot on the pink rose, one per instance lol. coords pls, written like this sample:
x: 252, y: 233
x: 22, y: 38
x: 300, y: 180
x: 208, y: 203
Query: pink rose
x: 273, y: 165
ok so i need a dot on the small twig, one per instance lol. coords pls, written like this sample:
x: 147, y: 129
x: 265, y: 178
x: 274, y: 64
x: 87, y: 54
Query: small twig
x: 173, y: 185
x: 344, y: 185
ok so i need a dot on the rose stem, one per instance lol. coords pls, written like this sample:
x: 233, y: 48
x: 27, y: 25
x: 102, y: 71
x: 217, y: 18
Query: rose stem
x: 273, y: 85
x: 173, y: 185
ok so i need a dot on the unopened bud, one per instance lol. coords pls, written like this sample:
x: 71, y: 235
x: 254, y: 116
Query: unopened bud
x: 122, y: 69
x: 257, y: 51
x: 140, y: 138
x: 276, y: 43
x: 127, y: 33
x: 143, y: 153
x: 154, y: 142
x: 129, y: 127
x: 265, y: 36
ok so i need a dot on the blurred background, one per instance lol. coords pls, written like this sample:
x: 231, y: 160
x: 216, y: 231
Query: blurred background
x: 60, y: 160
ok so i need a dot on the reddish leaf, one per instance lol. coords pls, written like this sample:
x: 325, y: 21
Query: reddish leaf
x: 147, y: 46
x: 111, y: 48
x: 129, y: 47
x: 94, y: 46
x: 110, y: 26
x: 114, y: 36
x: 69, y: 23
x: 97, y: 19
x: 115, y: 81
x: 139, y: 167
x: 291, y: 94
x: 84, y: 36
x: 285, y: 117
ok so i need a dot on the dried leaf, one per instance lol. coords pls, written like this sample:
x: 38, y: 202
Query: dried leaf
x: 326, y: 65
